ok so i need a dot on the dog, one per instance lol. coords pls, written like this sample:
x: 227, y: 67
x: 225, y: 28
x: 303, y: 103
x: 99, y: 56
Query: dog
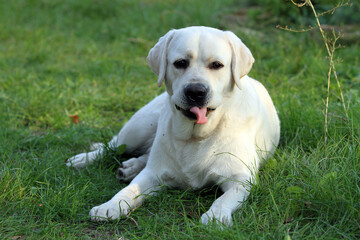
x: 214, y: 125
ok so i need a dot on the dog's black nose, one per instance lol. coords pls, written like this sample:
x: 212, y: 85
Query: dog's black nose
x: 196, y: 93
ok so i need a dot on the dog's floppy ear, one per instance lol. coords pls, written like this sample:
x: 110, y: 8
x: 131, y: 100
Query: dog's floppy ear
x: 242, y: 59
x: 157, y: 57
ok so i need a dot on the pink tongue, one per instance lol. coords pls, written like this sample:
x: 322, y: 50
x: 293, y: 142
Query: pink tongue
x: 200, y: 114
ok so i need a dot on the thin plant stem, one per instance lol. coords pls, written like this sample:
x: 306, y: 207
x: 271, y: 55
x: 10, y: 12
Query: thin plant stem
x: 330, y: 50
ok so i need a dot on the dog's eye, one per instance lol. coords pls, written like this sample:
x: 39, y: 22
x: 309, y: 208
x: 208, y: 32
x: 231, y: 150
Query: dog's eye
x: 181, y: 64
x: 216, y: 65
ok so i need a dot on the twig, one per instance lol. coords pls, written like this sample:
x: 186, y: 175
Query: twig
x: 331, y: 11
x: 286, y: 28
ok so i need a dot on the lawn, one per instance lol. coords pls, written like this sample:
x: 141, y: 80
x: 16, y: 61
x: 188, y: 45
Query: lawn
x: 87, y: 58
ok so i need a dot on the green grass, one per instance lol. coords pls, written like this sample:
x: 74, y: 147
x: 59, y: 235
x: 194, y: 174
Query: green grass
x: 59, y: 58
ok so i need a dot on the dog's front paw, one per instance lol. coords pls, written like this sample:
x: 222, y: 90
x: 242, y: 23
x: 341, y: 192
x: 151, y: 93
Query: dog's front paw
x: 217, y: 216
x: 81, y: 160
x: 109, y: 211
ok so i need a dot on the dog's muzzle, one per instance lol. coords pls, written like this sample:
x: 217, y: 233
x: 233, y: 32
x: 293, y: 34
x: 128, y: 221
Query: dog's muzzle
x: 196, y: 97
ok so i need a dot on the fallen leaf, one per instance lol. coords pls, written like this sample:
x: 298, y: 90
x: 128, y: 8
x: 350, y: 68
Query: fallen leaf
x: 75, y: 119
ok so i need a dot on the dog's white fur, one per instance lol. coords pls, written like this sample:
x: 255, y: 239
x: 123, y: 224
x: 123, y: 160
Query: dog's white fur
x: 240, y: 133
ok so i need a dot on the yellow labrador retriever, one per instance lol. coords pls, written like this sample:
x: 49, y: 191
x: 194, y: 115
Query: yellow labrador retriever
x: 213, y: 125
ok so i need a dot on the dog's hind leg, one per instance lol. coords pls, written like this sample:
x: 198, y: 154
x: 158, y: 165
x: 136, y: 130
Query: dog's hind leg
x: 130, y: 168
x: 137, y: 134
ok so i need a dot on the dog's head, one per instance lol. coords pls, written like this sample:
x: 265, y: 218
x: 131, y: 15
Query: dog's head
x: 200, y: 66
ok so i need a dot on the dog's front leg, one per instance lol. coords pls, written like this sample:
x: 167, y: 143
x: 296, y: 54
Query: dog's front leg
x: 235, y: 192
x: 131, y: 196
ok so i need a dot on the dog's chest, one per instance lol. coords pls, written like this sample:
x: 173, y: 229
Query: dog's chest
x: 191, y: 165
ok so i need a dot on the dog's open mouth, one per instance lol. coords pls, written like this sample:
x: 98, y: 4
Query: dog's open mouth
x: 196, y: 113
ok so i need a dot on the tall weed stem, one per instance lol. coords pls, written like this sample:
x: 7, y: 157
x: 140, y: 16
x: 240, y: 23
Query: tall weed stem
x: 330, y: 44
